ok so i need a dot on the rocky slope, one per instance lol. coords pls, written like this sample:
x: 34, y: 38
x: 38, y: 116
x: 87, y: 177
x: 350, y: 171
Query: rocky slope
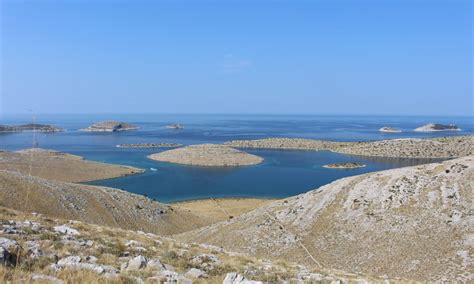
x: 209, y: 155
x: 60, y: 166
x: 93, y: 204
x: 414, y: 221
x: 441, y: 147
x: 35, y: 249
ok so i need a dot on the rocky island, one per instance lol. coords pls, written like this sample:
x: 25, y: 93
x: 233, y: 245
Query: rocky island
x: 344, y: 166
x: 208, y: 155
x: 431, y: 127
x: 110, y: 126
x: 149, y: 145
x: 387, y: 129
x: 175, y: 126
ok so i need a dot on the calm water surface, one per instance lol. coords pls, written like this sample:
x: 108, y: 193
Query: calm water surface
x: 284, y: 173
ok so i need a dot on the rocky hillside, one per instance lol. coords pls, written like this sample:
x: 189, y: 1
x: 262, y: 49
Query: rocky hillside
x: 441, y: 147
x: 35, y: 249
x: 414, y: 221
x: 93, y: 204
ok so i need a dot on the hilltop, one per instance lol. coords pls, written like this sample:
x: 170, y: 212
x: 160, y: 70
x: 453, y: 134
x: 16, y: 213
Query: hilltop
x: 413, y: 221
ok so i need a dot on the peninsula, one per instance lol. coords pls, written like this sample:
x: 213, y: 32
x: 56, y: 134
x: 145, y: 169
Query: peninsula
x: 441, y: 147
x: 208, y: 155
x: 30, y: 127
x: 60, y: 166
x: 110, y: 126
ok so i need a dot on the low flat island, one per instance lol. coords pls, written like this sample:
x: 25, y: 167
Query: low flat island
x: 207, y: 155
x: 149, y: 145
x: 110, y: 126
x: 344, y: 166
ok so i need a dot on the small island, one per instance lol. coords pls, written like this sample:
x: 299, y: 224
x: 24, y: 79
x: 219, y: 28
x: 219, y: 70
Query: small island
x: 431, y: 127
x: 344, y: 166
x: 175, y: 126
x: 149, y: 145
x: 110, y: 126
x: 387, y: 129
x: 207, y: 155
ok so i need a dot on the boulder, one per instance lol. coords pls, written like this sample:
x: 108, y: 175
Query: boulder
x: 8, y: 252
x: 195, y: 273
x: 66, y: 230
x: 235, y: 278
x: 136, y: 263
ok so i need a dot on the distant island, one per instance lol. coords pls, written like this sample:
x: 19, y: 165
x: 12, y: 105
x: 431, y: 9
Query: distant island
x: 387, y: 129
x: 149, y: 145
x: 175, y: 126
x: 110, y: 126
x: 30, y: 127
x: 430, y: 127
x: 344, y: 166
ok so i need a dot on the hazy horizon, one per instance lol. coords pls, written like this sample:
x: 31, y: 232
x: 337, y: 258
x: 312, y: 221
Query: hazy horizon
x: 410, y: 58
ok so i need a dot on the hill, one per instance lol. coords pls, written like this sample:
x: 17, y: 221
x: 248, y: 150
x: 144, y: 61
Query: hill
x: 414, y: 221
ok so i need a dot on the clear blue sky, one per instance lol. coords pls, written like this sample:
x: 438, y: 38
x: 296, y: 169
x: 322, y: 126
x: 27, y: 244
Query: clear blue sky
x: 301, y: 57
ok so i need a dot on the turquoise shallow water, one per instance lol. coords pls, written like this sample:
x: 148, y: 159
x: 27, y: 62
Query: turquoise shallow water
x: 284, y: 173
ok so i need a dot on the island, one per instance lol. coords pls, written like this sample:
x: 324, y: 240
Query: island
x: 110, y: 126
x: 38, y: 127
x: 431, y: 127
x: 30, y: 127
x: 175, y: 126
x: 149, y: 145
x: 387, y: 129
x: 344, y: 166
x: 207, y: 155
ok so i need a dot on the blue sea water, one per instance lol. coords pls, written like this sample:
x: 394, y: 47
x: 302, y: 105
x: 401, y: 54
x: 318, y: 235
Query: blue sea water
x: 283, y: 173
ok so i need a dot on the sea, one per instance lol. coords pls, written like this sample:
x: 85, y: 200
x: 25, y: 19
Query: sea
x: 283, y: 173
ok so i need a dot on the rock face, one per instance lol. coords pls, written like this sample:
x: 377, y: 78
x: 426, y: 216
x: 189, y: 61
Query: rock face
x: 387, y: 129
x: 110, y: 126
x: 441, y: 147
x: 431, y: 127
x: 209, y: 155
x: 414, y: 221
x: 344, y: 166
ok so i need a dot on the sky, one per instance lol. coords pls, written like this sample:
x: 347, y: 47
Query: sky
x: 277, y: 57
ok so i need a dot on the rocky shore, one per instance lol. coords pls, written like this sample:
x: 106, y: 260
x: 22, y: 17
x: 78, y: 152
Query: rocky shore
x: 208, y: 155
x: 149, y: 145
x: 441, y: 147
x: 344, y: 166
x: 110, y: 126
